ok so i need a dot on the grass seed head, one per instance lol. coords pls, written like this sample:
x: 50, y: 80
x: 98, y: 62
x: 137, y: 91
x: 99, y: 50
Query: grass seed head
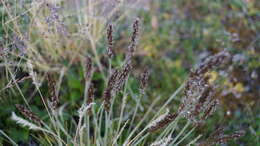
x: 88, y: 68
x: 108, y: 91
x: 28, y: 114
x: 199, y: 100
x: 110, y: 52
x: 90, y: 96
x: 162, y: 121
x: 122, y: 76
x: 143, y: 81
x: 211, y: 63
x: 133, y: 41
x: 107, y: 97
x: 54, y: 99
x: 218, y: 137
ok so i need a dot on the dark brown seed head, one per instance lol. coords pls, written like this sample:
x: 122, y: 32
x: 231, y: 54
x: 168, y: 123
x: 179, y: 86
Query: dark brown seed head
x: 211, y: 63
x: 218, y: 137
x: 199, y: 95
x: 135, y: 30
x: 112, y: 79
x: 107, y: 98
x: 88, y: 68
x: 90, y: 98
x: 161, y: 123
x: 28, y: 114
x: 210, y: 109
x: 115, y: 83
x: 54, y: 99
x: 110, y: 52
x: 122, y: 76
x: 143, y: 80
x: 133, y: 41
x: 108, y: 91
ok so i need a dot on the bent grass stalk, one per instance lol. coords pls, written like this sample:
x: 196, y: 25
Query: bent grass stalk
x: 32, y: 126
x: 194, y: 140
x: 185, y: 136
x: 10, y: 139
x: 169, y: 129
x: 141, y: 139
x: 139, y: 124
x: 181, y: 132
x: 174, y: 94
x: 122, y: 109
x: 19, y: 89
x: 147, y: 113
x: 119, y: 133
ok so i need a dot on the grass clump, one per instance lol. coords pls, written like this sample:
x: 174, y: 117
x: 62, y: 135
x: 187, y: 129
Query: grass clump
x: 78, y: 90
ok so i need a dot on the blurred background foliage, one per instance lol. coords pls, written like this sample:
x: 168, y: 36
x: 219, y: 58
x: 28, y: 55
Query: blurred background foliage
x: 175, y: 36
x: 180, y: 33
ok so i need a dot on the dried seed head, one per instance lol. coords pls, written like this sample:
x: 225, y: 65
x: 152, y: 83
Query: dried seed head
x: 118, y: 77
x: 108, y: 91
x: 29, y: 114
x: 135, y: 30
x: 112, y: 79
x: 200, y: 98
x: 116, y: 82
x: 90, y: 97
x: 90, y: 93
x: 224, y: 138
x: 107, y: 97
x: 110, y: 52
x: 54, y: 99
x: 88, y: 68
x: 162, y: 121
x: 133, y: 41
x: 218, y: 137
x: 143, y: 80
x: 211, y: 63
x: 210, y: 110
x: 122, y: 76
